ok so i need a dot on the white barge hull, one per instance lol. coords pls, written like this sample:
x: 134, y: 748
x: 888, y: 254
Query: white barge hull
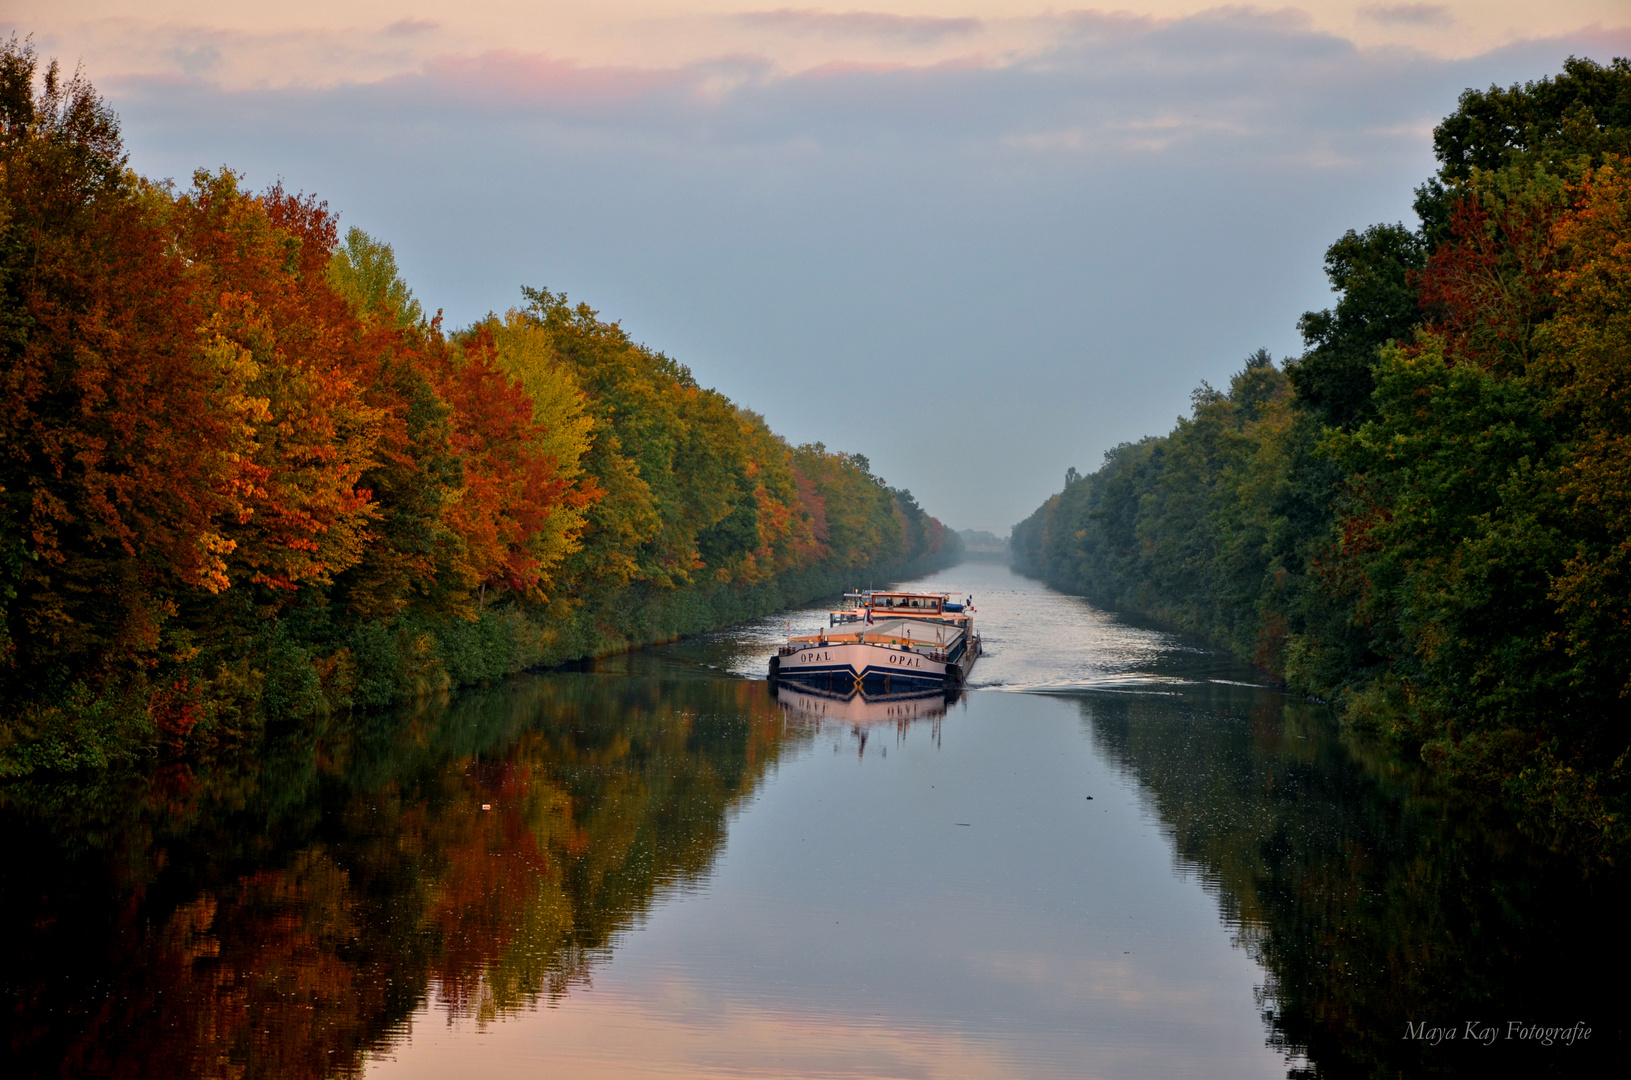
x: 891, y: 658
x: 847, y: 666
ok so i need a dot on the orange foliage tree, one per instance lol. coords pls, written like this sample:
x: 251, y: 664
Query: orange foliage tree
x: 197, y: 428
x: 242, y: 477
x: 1586, y: 353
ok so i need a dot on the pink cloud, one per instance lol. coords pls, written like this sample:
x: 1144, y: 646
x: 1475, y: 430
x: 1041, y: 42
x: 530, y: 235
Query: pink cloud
x: 917, y: 29
x: 412, y: 27
x: 1408, y: 14
x: 532, y: 78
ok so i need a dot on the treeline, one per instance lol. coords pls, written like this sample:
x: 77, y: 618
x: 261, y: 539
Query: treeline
x: 1426, y: 517
x: 244, y: 479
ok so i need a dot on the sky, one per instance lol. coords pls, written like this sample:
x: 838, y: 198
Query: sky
x: 979, y: 242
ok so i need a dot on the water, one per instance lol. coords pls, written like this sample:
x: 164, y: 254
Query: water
x: 656, y: 868
x: 1034, y: 638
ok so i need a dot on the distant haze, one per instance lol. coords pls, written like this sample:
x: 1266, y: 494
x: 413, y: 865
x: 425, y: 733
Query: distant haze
x: 977, y: 243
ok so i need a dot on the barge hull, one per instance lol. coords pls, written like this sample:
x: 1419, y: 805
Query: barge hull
x: 841, y: 668
x: 846, y: 667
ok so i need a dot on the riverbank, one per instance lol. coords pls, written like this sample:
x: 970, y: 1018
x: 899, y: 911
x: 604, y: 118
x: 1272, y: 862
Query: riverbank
x: 378, y: 668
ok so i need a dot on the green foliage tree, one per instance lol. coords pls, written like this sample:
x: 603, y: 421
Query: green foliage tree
x: 1373, y: 273
x: 363, y: 271
x: 1423, y: 519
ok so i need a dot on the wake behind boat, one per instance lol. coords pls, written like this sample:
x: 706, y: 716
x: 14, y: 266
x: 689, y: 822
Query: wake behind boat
x: 885, y: 643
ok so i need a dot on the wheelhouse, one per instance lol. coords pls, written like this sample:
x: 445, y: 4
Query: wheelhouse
x: 903, y: 603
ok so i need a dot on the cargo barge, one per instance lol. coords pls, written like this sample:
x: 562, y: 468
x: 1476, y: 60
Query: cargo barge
x: 884, y: 643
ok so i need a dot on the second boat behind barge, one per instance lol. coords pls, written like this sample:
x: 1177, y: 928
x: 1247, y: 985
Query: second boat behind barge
x: 898, y: 642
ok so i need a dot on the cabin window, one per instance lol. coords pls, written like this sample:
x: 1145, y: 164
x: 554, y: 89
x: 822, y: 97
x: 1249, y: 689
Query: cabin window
x: 907, y: 603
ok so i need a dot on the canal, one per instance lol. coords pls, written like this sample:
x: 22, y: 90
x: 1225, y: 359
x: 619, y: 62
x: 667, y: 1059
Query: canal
x: 1119, y: 854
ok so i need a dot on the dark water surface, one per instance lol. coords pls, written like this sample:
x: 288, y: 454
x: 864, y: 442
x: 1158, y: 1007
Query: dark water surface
x: 658, y: 868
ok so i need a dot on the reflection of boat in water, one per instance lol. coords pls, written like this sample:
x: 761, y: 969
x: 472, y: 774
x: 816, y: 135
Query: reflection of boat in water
x: 887, y: 643
x: 859, y: 708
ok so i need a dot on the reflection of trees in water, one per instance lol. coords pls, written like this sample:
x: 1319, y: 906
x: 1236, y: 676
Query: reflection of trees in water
x: 283, y: 917
x: 1369, y: 902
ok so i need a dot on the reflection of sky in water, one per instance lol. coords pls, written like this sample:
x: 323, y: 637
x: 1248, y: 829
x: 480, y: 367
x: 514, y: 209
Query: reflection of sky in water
x: 948, y: 904
x: 950, y: 908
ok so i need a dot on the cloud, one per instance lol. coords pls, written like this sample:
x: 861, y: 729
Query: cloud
x: 235, y: 59
x: 197, y: 61
x: 412, y: 27
x: 1408, y: 14
x: 1106, y: 82
x: 538, y: 82
x: 914, y: 29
